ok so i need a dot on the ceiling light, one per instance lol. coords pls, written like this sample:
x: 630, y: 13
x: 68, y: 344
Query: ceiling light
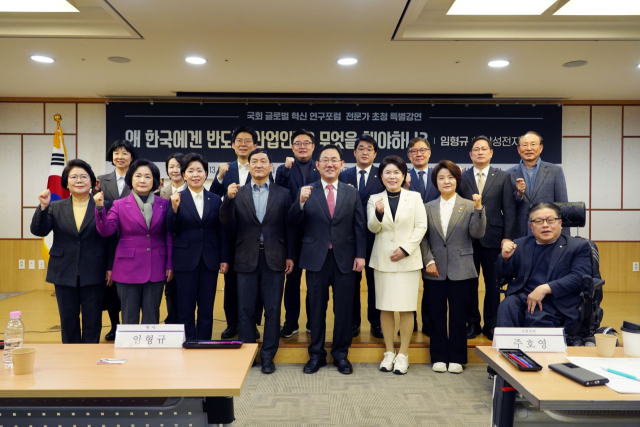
x: 36, y: 6
x: 195, y: 60
x: 40, y: 58
x: 574, y: 64
x: 499, y: 7
x: 599, y: 7
x: 498, y: 63
x: 638, y: 65
x: 347, y: 61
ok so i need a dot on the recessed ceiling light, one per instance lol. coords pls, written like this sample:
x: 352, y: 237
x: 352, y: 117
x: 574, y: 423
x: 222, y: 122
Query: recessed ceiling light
x: 347, y: 61
x: 599, y: 7
x: 638, y: 65
x: 40, y: 58
x: 195, y: 60
x: 119, y: 59
x: 574, y: 64
x: 36, y: 6
x: 499, y: 7
x: 498, y: 63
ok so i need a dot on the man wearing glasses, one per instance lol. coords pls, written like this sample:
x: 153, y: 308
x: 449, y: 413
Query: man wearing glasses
x: 535, y: 181
x: 494, y: 185
x: 364, y: 177
x: 293, y: 175
x: 545, y: 271
x: 334, y: 245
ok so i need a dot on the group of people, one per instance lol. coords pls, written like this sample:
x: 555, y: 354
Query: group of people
x: 395, y: 224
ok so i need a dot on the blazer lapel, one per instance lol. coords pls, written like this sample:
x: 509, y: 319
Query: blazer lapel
x: 68, y: 214
x: 206, y: 198
x: 527, y: 255
x: 314, y: 175
x: 322, y: 199
x: 296, y: 173
x: 542, y: 174
x: 247, y: 198
x: 458, y: 210
x: 88, y: 216
x: 132, y: 209
x: 558, y: 251
x: 352, y: 177
x: 190, y: 204
x: 402, y: 201
x: 125, y: 191
x: 373, y: 177
x: 111, y: 185
x: 157, y: 215
x: 471, y: 180
x: 342, y: 187
x: 437, y: 219
x: 491, y: 178
x: 387, y: 210
x: 271, y: 199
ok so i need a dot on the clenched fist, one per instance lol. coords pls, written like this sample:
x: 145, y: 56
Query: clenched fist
x: 45, y: 199
x: 288, y: 162
x: 380, y: 205
x: 508, y: 248
x: 99, y: 199
x: 232, y: 190
x: 521, y: 186
x: 175, y: 202
x: 407, y: 181
x: 96, y: 189
x: 222, y: 170
x: 477, y: 199
x: 305, y: 192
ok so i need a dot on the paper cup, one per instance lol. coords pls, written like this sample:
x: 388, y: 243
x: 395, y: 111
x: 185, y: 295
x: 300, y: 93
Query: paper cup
x: 605, y: 344
x: 631, y: 342
x: 23, y: 360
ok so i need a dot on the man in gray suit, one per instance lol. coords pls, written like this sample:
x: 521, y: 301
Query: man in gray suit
x: 535, y: 181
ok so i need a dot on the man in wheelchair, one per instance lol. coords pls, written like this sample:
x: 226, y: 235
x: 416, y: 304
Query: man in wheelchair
x: 545, y: 272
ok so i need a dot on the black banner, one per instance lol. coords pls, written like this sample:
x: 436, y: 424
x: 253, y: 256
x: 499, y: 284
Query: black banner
x: 164, y: 128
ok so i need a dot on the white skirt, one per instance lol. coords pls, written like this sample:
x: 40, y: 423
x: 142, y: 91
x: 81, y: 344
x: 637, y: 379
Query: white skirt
x: 397, y: 291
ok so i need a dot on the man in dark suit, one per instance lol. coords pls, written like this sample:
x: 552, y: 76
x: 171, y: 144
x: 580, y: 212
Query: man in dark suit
x: 334, y: 245
x: 494, y: 185
x: 364, y: 177
x: 243, y: 140
x: 419, y: 152
x: 545, y: 272
x: 264, y: 250
x: 535, y: 181
x: 295, y: 173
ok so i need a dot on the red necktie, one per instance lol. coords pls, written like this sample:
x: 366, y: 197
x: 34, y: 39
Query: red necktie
x: 331, y: 202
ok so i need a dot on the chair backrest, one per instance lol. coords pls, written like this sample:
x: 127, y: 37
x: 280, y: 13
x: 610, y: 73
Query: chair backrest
x: 574, y: 214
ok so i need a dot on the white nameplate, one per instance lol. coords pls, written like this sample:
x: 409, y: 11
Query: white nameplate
x: 149, y: 336
x: 535, y: 340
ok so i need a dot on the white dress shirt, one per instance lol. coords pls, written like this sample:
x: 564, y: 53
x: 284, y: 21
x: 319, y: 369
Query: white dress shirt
x: 198, y: 199
x: 326, y: 191
x: 446, y: 209
x: 476, y: 174
x: 366, y: 175
x: 243, y: 172
x: 174, y: 190
x: 120, y: 183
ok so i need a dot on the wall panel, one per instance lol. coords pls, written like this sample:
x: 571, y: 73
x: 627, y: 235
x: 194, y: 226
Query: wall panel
x: 21, y: 117
x: 606, y: 158
x: 10, y: 200
x: 575, y: 158
x: 631, y: 121
x: 575, y: 120
x: 631, y: 174
x: 615, y: 225
x: 92, y: 134
x: 68, y: 113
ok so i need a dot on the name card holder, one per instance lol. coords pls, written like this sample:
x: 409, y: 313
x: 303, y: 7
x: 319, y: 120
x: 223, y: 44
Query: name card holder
x: 149, y: 336
x: 534, y: 340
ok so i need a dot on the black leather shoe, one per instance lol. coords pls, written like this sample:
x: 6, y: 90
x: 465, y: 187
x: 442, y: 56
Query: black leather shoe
x: 473, y: 331
x: 356, y: 331
x: 344, y: 366
x: 111, y: 336
x: 256, y: 333
x: 488, y: 334
x: 314, y: 365
x: 376, y: 331
x: 288, y: 331
x: 230, y: 332
x: 268, y: 367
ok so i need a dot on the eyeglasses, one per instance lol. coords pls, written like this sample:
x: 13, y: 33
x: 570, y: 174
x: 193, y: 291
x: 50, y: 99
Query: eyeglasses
x: 540, y: 221
x: 302, y: 144
x: 247, y: 141
x: 365, y: 150
x: 332, y: 161
x: 421, y: 151
x: 534, y: 145
x: 483, y: 149
x: 79, y: 177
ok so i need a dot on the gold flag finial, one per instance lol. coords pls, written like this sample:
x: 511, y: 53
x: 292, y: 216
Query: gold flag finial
x: 57, y: 118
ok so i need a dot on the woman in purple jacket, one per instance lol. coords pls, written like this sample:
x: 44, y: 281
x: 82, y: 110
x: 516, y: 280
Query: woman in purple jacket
x: 143, y: 255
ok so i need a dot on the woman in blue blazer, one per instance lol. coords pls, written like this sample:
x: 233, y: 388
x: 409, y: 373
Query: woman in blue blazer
x: 199, y: 249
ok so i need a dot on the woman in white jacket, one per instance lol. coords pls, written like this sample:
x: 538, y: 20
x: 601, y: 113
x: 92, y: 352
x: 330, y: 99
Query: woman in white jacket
x: 399, y: 221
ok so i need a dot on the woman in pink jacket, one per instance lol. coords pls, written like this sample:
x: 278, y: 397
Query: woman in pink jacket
x: 143, y: 256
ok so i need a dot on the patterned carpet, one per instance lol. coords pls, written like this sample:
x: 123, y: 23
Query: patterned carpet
x: 6, y: 295
x: 368, y: 397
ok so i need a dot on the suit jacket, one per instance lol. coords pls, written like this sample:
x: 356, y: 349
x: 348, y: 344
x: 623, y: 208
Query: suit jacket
x: 291, y: 179
x: 372, y: 186
x: 166, y: 191
x: 550, y: 187
x: 195, y: 238
x: 239, y: 213
x: 143, y: 254
x: 109, y: 186
x: 452, y: 250
x: 406, y: 231
x: 569, y: 262
x: 346, y: 230
x: 75, y: 255
x: 232, y: 176
x: 499, y: 204
x: 432, y: 192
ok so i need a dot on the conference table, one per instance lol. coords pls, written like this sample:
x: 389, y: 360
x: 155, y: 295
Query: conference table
x: 560, y: 397
x: 154, y: 387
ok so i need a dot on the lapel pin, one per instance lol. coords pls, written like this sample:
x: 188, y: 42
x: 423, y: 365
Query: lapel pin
x: 560, y: 245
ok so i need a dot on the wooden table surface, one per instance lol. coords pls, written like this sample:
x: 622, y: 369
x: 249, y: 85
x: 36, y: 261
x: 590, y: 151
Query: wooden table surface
x: 548, y: 390
x: 70, y: 371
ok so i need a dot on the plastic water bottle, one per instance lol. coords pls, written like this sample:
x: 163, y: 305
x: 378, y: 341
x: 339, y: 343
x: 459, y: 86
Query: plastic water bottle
x: 13, y: 337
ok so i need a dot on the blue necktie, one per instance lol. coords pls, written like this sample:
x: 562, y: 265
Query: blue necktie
x: 422, y: 185
x: 362, y: 184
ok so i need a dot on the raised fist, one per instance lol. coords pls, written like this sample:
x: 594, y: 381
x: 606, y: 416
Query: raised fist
x: 407, y: 181
x: 99, y: 199
x: 288, y: 162
x: 222, y: 170
x: 305, y: 192
x: 45, y: 199
x: 232, y: 190
x: 380, y: 205
x: 508, y: 248
x: 477, y: 199
x: 175, y: 202
x: 96, y: 189
x: 521, y: 186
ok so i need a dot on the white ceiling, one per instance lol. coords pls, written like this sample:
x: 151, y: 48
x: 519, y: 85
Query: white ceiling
x: 291, y: 46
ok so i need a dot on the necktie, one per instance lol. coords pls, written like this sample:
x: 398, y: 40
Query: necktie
x: 423, y: 189
x: 331, y: 202
x: 480, y: 182
x: 362, y: 184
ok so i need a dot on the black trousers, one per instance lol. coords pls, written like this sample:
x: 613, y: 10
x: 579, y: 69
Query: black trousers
x: 197, y: 288
x: 318, y: 290
x: 513, y: 313
x: 292, y: 298
x: 171, y: 299
x: 373, y: 314
x: 270, y: 285
x: 231, y: 293
x: 484, y: 258
x: 75, y: 299
x: 451, y: 348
